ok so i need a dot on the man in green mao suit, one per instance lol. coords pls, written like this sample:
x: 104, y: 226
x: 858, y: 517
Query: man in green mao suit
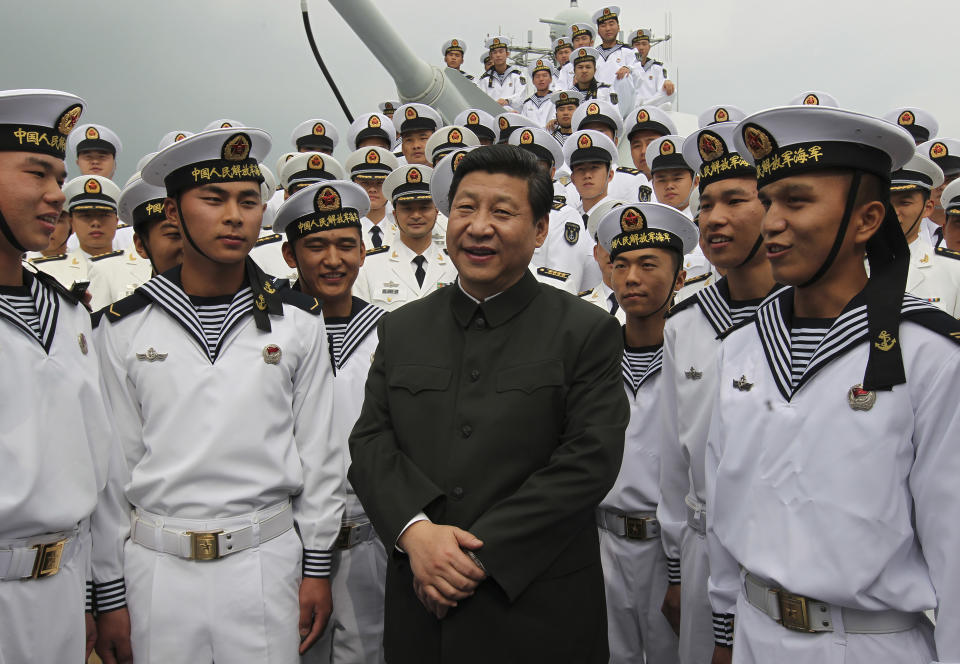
x: 492, y: 426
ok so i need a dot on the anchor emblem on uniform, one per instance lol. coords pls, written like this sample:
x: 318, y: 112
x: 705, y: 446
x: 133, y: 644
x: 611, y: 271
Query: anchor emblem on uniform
x: 151, y: 356
x: 693, y: 374
x: 885, y: 341
x: 742, y: 384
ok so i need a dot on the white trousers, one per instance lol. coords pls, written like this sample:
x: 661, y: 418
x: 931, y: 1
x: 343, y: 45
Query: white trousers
x: 696, y: 616
x: 355, y: 632
x: 757, y: 638
x: 635, y: 580
x: 242, y: 608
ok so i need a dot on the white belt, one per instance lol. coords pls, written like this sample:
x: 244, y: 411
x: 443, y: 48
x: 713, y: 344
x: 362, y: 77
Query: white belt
x: 696, y: 515
x: 802, y: 614
x: 353, y: 533
x: 216, y: 540
x: 37, y: 557
x: 634, y: 526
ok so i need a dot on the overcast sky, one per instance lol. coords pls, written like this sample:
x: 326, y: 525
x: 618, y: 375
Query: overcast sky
x: 146, y: 68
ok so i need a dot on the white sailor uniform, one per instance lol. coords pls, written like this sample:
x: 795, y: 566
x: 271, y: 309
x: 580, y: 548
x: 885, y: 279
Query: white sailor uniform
x: 841, y: 496
x: 538, y: 109
x: 634, y: 563
x: 510, y: 85
x: 609, y: 63
x: 568, y: 249
x: 224, y: 408
x: 648, y: 79
x: 387, y: 277
x: 934, y: 276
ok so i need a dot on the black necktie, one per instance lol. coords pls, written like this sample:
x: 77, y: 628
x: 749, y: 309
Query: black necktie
x: 585, y: 218
x: 376, y: 233
x: 937, y: 236
x: 614, y: 305
x: 420, y: 273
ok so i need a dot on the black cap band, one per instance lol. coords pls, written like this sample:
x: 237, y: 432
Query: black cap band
x: 32, y: 138
x: 728, y: 166
x: 819, y: 156
x: 647, y: 238
x: 317, y: 222
x: 151, y: 210
x: 214, y: 171
x: 411, y: 191
x: 669, y: 161
x: 920, y: 134
x: 372, y: 132
x: 96, y: 144
x: 539, y: 152
x: 315, y: 142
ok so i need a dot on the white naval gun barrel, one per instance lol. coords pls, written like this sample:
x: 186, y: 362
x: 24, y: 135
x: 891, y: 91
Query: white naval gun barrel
x: 449, y: 92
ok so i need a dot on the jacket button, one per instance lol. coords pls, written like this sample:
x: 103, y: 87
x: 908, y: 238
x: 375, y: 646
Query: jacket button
x: 475, y: 374
x: 481, y: 323
x: 466, y: 430
x: 458, y: 492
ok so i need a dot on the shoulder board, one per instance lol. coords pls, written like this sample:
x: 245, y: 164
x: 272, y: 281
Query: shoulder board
x: 697, y: 280
x: 268, y: 239
x: 300, y: 300
x: 557, y: 205
x: 52, y: 283
x: 560, y: 197
x: 485, y: 74
x: 469, y: 76
x: 554, y: 274
x: 109, y: 254
x: 657, y: 62
x: 122, y: 225
x: 603, y: 85
x: 736, y: 326
x: 124, y: 307
x: 584, y: 293
x: 523, y: 79
x: 949, y: 253
x: 681, y: 306
x: 378, y: 250
x: 627, y: 169
x: 47, y: 259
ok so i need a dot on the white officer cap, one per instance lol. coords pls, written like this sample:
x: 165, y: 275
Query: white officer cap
x: 945, y: 153
x: 920, y: 173
x: 497, y: 42
x: 950, y: 198
x: 141, y: 203
x: 578, y: 29
x: 210, y: 157
x: 91, y: 192
x: 172, y: 137
x: 309, y: 167
x: 370, y: 163
x: 223, y: 123
x: 508, y: 123
x: 447, y: 139
x: 93, y: 137
x: 586, y: 146
x: 649, y: 118
x: 282, y: 159
x: 598, y: 110
x: 38, y: 120
x: 646, y: 226
x: 719, y: 113
x: 543, y: 146
x: 710, y: 151
x: 315, y: 134
x: 413, y: 117
x: 454, y: 45
x: 564, y: 97
x: 388, y: 107
x: 542, y: 65
x: 371, y: 125
x: 144, y: 159
x: 610, y: 12
x: 408, y: 183
x: 584, y: 54
x: 559, y: 43
x: 481, y: 123
x: 322, y: 206
x: 640, y: 34
x: 442, y: 178
x: 666, y: 152
x: 815, y: 98
x: 597, y: 213
x: 921, y: 124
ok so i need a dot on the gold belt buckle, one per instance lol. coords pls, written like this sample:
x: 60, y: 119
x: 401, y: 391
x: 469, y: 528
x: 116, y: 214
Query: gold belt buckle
x: 793, y: 611
x: 635, y: 528
x: 47, y: 562
x: 343, y: 537
x: 205, y: 545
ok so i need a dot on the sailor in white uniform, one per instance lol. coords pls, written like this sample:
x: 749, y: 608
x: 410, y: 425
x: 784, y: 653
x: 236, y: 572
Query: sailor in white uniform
x: 57, y: 437
x: 651, y: 85
x: 615, y: 64
x: 643, y: 126
x: 831, y: 456
x: 221, y: 388
x: 369, y: 167
x: 565, y: 103
x: 415, y: 124
x: 730, y: 219
x: 951, y: 227
x: 581, y: 35
x: 158, y: 240
x: 503, y: 82
x: 562, y: 47
x: 266, y: 252
x: 414, y: 266
x: 323, y: 241
x: 602, y: 294
x: 453, y: 51
x: 538, y: 106
x: 646, y: 243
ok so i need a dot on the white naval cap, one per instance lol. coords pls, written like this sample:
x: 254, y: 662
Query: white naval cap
x: 608, y: 13
x: 210, y: 157
x: 649, y: 118
x: 93, y: 137
x: 370, y: 163
x: 598, y: 110
x: 38, y: 120
x: 561, y: 42
x: 710, y: 152
x: 322, y: 206
x: 454, y: 45
x: 388, y: 107
x: 316, y: 135
x: 665, y: 153
x: 597, y: 213
x: 141, y: 203
x: 172, y: 137
x: 91, y: 192
x: 479, y: 122
x: 442, y: 178
x: 565, y: 97
x: 408, y: 183
x: 815, y: 98
x: 447, y: 139
x: 646, y: 226
x: 309, y: 167
x: 950, y: 198
x: 371, y: 125
x: 223, y: 123
x: 584, y: 54
x: 541, y: 65
x: 719, y: 113
x: 414, y: 117
x: 281, y: 160
x: 578, y: 29
x: 920, y: 173
x: 498, y: 41
x: 537, y: 141
x: 587, y: 146
x: 921, y: 124
x: 144, y: 159
x: 945, y: 153
x: 640, y: 34
x: 509, y: 122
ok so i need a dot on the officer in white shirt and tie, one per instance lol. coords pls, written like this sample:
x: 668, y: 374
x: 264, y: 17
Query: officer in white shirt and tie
x: 369, y: 167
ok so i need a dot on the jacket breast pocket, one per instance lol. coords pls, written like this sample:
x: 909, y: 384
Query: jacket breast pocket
x: 530, y: 377
x: 416, y: 378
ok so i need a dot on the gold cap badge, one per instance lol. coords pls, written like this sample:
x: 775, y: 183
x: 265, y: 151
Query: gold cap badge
x: 92, y: 134
x: 327, y: 199
x: 632, y: 219
x: 236, y: 148
x: 91, y: 186
x: 526, y: 137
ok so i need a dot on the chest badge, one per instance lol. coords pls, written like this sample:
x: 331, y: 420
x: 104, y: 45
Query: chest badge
x: 272, y: 354
x: 82, y: 341
x: 861, y: 399
x: 151, y: 356
x: 925, y: 259
x: 742, y: 384
x: 693, y: 374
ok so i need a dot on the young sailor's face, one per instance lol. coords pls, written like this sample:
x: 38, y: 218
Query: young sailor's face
x: 673, y: 186
x: 730, y: 217
x: 639, y: 140
x: 643, y: 48
x: 644, y: 279
x: 95, y: 230
x: 222, y: 219
x: 453, y: 59
x: 911, y: 207
x: 591, y: 178
x: 30, y: 196
x: 413, y: 145
x: 374, y: 189
x: 565, y: 114
x: 415, y: 219
x: 96, y: 162
x: 328, y: 262
x: 563, y: 55
x: 583, y: 72
x: 164, y: 244
x: 608, y: 30
x: 61, y: 232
